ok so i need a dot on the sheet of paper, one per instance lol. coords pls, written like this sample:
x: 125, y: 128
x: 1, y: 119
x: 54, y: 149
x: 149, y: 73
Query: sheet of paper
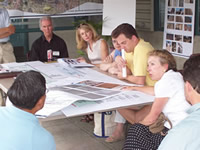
x: 34, y: 63
x: 17, y: 66
x: 55, y: 101
x: 125, y: 99
x: 73, y: 63
x: 91, y: 74
x: 60, y: 96
x: 50, y: 71
x: 68, y: 85
x: 68, y: 71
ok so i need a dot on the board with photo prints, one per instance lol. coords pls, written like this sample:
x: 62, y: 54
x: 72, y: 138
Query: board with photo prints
x: 179, y: 27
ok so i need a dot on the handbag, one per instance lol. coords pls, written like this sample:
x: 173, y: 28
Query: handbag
x: 104, y: 124
x: 158, y: 125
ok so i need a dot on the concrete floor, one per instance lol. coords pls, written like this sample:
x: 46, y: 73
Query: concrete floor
x: 72, y: 134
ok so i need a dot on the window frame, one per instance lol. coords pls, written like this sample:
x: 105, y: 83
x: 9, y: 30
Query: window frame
x: 157, y: 23
x: 197, y: 18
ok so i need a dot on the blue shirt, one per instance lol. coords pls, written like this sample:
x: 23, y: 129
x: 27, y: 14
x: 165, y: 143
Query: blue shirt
x: 117, y: 53
x: 20, y: 130
x: 185, y: 135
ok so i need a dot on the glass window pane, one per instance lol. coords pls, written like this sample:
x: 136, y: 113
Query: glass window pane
x: 199, y: 18
x: 162, y: 13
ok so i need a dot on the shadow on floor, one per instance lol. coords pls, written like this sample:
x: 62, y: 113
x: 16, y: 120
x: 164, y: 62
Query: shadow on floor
x: 72, y: 134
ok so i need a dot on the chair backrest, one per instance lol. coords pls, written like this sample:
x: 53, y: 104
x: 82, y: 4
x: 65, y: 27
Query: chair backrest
x: 19, y: 54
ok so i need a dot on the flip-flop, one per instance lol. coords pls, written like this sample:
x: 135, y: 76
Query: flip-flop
x: 87, y: 118
x: 112, y: 139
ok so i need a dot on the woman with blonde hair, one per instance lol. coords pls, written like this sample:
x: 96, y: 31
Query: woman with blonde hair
x: 88, y: 40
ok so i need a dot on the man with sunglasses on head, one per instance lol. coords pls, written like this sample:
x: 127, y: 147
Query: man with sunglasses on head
x: 19, y: 127
x: 49, y: 46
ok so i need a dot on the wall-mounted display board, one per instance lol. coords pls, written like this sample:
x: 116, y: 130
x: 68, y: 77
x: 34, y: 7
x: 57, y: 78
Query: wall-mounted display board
x: 116, y: 12
x: 179, y: 27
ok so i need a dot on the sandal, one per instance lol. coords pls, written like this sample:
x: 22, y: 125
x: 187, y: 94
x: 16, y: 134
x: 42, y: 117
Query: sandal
x: 87, y: 118
x: 112, y: 139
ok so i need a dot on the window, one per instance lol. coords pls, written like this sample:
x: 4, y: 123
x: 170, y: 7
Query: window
x: 27, y: 30
x: 197, y: 24
x: 159, y: 15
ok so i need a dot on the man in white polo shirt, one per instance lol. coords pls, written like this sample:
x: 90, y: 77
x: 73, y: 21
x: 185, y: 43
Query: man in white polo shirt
x: 6, y: 29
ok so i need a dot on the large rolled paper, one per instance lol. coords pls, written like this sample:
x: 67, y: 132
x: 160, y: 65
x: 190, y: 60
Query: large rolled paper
x: 124, y: 74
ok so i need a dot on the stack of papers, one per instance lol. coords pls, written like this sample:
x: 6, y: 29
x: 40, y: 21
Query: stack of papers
x: 73, y: 63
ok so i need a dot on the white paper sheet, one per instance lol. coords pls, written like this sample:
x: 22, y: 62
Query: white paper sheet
x: 125, y: 99
x: 60, y: 97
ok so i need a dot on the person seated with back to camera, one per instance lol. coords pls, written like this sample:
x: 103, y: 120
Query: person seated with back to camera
x: 19, y: 127
x: 109, y: 63
x: 49, y: 46
x: 89, y: 41
x: 169, y: 100
x: 186, y: 134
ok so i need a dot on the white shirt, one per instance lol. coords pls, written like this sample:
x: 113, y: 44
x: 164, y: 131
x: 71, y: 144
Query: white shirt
x: 4, y: 22
x: 171, y: 85
x: 94, y: 54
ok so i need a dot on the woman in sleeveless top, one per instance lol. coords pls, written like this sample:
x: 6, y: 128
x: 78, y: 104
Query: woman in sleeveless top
x: 88, y: 40
x: 96, y: 48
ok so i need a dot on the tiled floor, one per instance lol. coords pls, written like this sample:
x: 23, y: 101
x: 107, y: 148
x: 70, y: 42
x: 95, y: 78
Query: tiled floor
x: 71, y: 134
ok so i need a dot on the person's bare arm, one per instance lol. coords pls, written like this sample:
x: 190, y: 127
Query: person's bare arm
x: 130, y: 77
x: 136, y: 79
x: 144, y: 89
x: 120, y: 62
x: 7, y: 31
x: 133, y: 79
x: 109, y: 58
x: 104, y: 50
x: 156, y: 109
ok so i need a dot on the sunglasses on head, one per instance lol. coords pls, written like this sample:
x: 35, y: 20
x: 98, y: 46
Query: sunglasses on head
x: 82, y: 24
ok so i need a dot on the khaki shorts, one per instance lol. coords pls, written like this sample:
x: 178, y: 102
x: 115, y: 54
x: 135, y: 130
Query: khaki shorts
x: 6, y: 53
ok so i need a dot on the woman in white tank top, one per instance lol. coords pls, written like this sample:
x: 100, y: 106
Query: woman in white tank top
x: 88, y: 40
